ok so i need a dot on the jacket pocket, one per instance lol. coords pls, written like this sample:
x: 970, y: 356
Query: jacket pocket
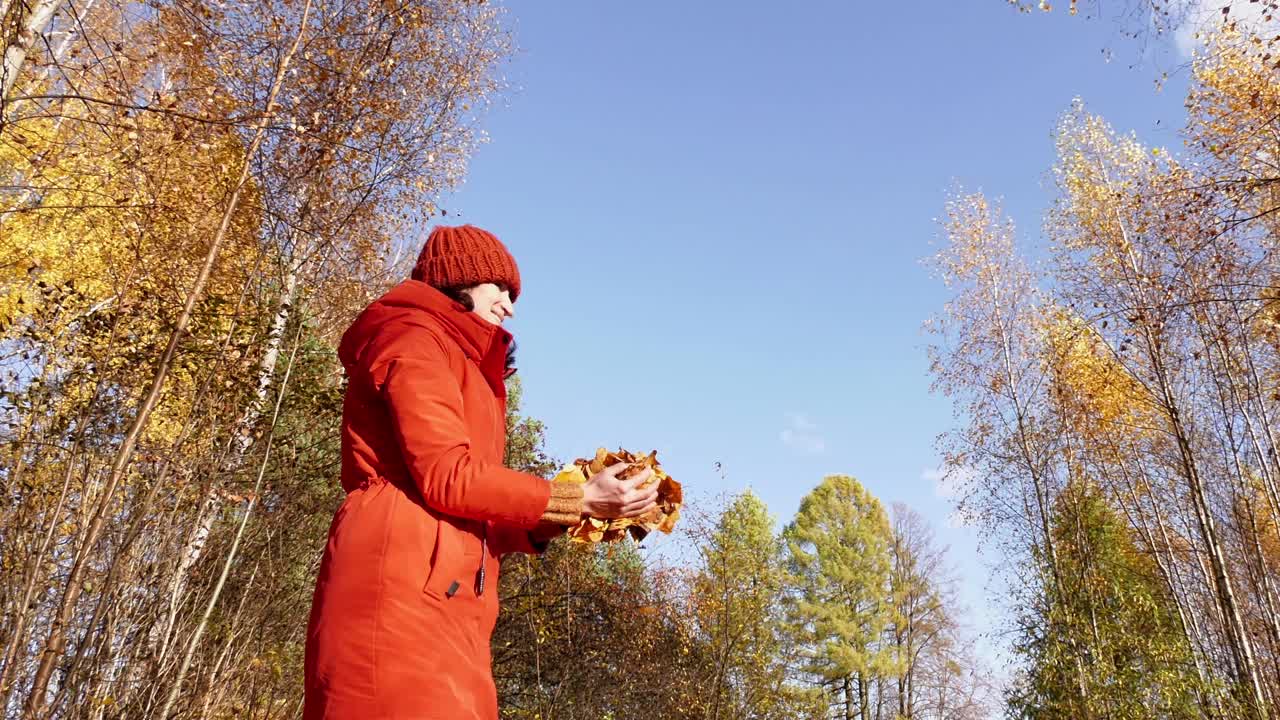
x: 439, y: 577
x: 454, y: 563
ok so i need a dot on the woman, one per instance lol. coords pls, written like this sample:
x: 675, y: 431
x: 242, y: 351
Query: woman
x: 406, y: 597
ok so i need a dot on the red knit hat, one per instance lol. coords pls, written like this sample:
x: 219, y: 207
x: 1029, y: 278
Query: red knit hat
x: 466, y: 255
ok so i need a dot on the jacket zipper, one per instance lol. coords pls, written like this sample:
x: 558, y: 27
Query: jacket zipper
x: 484, y: 555
x: 499, y: 407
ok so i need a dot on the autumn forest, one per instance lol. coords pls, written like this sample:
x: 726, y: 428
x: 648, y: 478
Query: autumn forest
x: 197, y: 197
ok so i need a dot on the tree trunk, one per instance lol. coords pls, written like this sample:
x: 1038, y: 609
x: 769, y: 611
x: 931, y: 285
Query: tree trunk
x: 56, y: 638
x: 176, y: 685
x: 848, y: 700
x: 78, y: 15
x: 1172, y: 576
x: 1258, y: 394
x: 12, y: 652
x: 864, y: 697
x: 1245, y: 669
x: 902, y: 695
x: 1230, y: 404
x: 31, y: 25
x: 1042, y: 490
x: 240, y: 441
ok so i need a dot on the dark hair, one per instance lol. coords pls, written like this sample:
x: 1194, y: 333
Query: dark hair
x: 460, y: 295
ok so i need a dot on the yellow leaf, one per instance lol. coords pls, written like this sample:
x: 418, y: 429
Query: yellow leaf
x: 663, y: 517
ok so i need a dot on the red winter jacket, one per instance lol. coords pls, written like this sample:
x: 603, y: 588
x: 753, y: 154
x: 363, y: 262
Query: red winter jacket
x: 406, y: 597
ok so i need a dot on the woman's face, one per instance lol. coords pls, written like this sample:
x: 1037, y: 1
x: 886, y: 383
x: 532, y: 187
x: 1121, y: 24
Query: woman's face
x: 492, y: 302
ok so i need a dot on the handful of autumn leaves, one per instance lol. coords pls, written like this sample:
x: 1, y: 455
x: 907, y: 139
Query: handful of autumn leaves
x: 663, y: 517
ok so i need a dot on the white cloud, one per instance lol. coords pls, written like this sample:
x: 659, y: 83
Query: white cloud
x: 1205, y: 15
x: 948, y: 485
x: 802, y: 434
x: 937, y: 477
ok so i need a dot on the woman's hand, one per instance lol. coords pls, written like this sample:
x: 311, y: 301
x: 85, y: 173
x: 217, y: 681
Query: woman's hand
x: 605, y: 496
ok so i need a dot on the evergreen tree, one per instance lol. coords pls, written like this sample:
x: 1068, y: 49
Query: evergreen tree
x: 1113, y: 609
x: 738, y: 593
x: 838, y: 548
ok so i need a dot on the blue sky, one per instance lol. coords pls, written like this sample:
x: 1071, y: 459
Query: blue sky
x: 719, y: 210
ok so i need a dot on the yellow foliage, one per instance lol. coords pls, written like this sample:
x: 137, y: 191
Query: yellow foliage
x: 1090, y: 381
x: 1102, y: 175
x: 1233, y: 104
x: 74, y: 242
x: 1252, y: 510
x: 118, y: 218
x: 102, y: 216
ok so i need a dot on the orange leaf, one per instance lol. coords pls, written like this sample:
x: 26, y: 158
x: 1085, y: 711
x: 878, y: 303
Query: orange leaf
x: 663, y: 518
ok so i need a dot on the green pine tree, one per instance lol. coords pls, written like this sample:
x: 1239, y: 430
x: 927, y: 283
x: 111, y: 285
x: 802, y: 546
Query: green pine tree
x: 838, y: 548
x: 1113, y: 611
x: 738, y: 593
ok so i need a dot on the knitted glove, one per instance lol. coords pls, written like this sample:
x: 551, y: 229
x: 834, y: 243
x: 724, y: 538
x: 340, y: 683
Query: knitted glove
x: 565, y: 505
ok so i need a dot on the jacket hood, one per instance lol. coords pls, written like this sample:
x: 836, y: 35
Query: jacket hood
x: 411, y: 302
